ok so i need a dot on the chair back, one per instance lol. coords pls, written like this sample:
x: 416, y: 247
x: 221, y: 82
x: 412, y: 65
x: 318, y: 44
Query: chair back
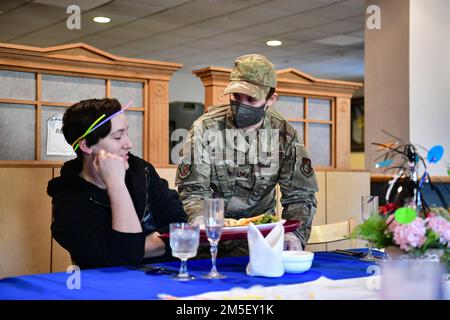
x: 332, y: 232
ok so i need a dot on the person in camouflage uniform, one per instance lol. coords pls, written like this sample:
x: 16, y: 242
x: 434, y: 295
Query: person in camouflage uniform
x: 231, y: 171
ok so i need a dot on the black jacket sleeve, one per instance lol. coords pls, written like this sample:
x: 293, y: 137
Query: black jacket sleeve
x: 165, y: 203
x: 84, y: 229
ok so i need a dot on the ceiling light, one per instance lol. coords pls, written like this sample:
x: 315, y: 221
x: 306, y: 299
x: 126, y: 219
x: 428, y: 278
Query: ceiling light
x: 340, y: 40
x: 101, y: 19
x: 273, y: 43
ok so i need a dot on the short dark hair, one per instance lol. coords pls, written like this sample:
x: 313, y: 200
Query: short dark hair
x: 270, y: 93
x: 80, y: 116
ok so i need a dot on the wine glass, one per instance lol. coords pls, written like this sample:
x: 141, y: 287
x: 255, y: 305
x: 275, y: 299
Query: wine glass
x: 369, y: 207
x: 214, y: 220
x: 184, y: 240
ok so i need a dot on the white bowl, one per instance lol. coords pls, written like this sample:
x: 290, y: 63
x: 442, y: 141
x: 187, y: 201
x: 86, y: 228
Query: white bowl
x: 297, y: 261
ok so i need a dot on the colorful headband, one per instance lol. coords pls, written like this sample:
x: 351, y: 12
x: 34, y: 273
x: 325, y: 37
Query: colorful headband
x: 94, y: 125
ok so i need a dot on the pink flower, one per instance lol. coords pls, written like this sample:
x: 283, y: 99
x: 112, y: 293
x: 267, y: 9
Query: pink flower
x: 411, y: 235
x: 441, y: 227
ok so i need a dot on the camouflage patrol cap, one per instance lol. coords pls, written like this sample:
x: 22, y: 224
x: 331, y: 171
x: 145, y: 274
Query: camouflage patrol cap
x: 253, y: 75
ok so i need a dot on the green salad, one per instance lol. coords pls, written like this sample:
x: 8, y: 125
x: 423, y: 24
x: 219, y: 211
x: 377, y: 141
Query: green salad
x: 267, y: 218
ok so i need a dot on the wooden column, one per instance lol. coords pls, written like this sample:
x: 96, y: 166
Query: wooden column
x: 214, y: 79
x: 343, y: 132
x: 158, y: 119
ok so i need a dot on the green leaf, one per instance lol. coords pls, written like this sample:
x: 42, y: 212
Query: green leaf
x: 374, y: 230
x: 431, y: 242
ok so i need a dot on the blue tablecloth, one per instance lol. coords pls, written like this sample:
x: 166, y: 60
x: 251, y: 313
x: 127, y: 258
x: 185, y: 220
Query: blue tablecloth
x: 124, y: 283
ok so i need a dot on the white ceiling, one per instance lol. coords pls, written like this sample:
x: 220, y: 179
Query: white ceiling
x: 199, y: 33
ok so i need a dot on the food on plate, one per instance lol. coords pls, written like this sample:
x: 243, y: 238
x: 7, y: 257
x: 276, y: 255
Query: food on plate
x: 260, y: 219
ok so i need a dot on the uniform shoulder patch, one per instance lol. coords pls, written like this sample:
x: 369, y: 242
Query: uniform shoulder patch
x: 184, y: 170
x: 306, y: 167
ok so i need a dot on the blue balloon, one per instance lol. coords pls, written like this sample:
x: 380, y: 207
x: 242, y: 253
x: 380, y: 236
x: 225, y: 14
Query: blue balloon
x: 435, y: 154
x: 385, y: 163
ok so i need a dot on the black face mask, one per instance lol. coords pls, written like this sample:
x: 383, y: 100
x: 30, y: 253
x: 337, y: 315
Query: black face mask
x: 245, y: 115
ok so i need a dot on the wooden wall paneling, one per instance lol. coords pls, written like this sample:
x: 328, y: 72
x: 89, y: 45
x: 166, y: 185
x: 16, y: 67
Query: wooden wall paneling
x: 25, y: 216
x: 344, y: 190
x: 108, y: 88
x: 146, y: 149
x: 91, y: 74
x: 321, y: 214
x: 343, y: 132
x: 158, y: 119
x: 29, y: 164
x: 297, y: 83
x: 37, y: 134
x: 82, y: 60
x: 38, y: 117
x: 168, y: 174
x: 60, y: 256
x: 85, y: 59
x: 306, y: 124
x: 17, y: 101
x: 56, y: 104
x: 217, y: 96
x: 333, y: 134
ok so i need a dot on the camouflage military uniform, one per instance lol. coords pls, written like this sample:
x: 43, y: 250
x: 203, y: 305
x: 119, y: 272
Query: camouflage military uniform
x: 248, y: 186
x: 249, y: 189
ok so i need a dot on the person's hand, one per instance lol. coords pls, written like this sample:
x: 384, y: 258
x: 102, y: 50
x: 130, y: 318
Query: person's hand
x: 110, y: 167
x: 198, y: 220
x: 154, y: 246
x: 292, y: 243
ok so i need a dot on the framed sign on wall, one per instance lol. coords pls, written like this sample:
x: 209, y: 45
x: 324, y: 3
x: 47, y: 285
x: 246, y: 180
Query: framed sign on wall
x: 357, y: 124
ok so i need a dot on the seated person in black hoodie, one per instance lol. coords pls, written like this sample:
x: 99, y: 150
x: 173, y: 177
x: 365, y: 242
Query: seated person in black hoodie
x: 109, y: 207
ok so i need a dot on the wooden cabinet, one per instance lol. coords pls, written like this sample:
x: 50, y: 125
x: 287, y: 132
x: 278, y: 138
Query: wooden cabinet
x: 39, y: 83
x: 25, y: 217
x: 318, y: 108
x: 60, y: 256
x: 26, y: 245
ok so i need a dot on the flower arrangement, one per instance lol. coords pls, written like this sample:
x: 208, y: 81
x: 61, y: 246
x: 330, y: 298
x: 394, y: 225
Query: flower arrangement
x: 414, y: 239
x: 406, y: 222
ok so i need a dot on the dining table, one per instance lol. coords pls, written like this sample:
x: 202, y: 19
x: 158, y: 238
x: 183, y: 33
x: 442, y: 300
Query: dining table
x: 154, y: 281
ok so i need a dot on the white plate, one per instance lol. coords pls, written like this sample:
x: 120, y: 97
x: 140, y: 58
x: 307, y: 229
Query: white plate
x: 240, y: 229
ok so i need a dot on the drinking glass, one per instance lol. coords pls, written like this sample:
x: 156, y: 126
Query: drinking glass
x: 184, y: 240
x: 214, y: 220
x: 412, y: 280
x: 369, y: 207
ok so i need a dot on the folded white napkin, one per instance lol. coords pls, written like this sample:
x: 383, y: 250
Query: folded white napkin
x: 265, y: 253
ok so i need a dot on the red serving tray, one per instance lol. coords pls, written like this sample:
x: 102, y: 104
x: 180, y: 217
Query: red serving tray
x: 289, y: 226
